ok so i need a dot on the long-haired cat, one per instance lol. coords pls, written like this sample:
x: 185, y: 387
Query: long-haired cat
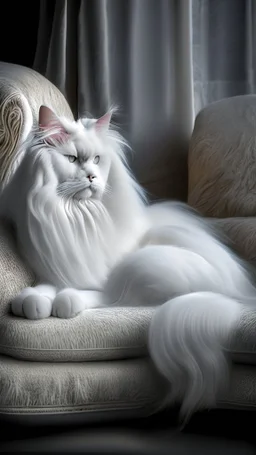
x: 85, y: 227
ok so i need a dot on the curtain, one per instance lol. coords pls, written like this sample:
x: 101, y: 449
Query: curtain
x: 158, y: 61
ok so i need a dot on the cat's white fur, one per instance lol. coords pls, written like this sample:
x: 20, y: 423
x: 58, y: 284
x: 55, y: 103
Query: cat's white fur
x: 91, y: 238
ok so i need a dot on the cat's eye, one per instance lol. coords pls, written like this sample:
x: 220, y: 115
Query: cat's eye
x: 71, y: 158
x: 96, y: 159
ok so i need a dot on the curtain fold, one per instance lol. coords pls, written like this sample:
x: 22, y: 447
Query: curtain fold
x: 159, y: 61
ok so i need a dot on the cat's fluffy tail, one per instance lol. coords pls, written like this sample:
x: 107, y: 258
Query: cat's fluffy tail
x: 187, y: 340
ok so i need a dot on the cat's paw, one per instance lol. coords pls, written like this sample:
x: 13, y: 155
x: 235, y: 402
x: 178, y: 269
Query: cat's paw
x: 31, y: 304
x: 68, y: 304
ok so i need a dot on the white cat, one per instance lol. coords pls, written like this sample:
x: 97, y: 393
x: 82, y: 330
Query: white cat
x: 85, y: 227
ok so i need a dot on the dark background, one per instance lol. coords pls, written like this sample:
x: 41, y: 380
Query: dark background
x: 18, y: 31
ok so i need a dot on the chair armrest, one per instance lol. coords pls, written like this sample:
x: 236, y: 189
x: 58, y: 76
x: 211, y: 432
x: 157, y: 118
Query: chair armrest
x: 14, y: 273
x: 22, y: 92
x: 221, y: 171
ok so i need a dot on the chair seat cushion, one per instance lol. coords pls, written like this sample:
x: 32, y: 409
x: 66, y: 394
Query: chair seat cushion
x: 99, y: 334
x: 94, y: 391
x: 128, y: 387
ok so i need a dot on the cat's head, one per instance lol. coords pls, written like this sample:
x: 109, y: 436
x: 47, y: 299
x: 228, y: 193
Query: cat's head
x: 79, y: 153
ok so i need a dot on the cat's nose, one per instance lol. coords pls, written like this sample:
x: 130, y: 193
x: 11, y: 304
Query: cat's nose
x: 91, y: 177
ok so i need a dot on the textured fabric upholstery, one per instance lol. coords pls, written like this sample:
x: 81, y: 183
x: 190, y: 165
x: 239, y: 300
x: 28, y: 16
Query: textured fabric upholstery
x: 242, y: 347
x: 240, y: 233
x: 242, y: 389
x: 14, y: 274
x: 129, y: 386
x: 34, y: 387
x: 103, y: 334
x: 221, y: 162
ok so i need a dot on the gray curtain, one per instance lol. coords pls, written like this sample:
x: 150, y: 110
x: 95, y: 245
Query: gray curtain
x: 159, y: 61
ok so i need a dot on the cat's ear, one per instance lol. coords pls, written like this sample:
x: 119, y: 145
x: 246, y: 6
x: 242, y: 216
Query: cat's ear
x: 46, y: 117
x: 102, y: 124
x: 48, y: 120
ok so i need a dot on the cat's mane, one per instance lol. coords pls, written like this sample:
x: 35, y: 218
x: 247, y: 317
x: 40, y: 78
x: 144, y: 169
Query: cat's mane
x: 69, y: 242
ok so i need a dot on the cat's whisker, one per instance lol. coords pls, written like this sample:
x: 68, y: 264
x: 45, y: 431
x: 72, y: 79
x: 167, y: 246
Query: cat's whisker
x: 70, y: 189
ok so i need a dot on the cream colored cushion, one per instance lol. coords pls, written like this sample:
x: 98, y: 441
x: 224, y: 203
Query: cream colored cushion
x: 222, y: 156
